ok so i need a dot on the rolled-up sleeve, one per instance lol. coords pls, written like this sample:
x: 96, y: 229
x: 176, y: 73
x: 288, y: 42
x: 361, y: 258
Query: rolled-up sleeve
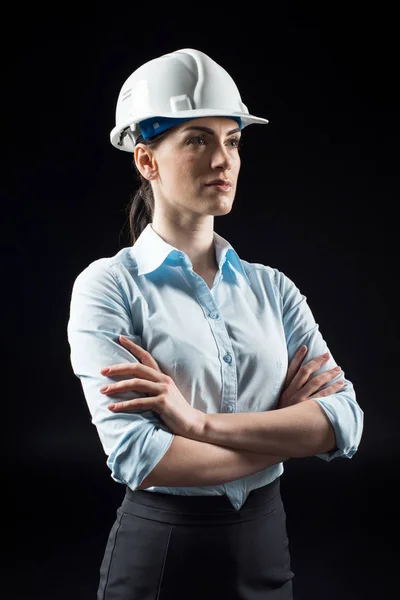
x: 99, y: 313
x: 341, y: 408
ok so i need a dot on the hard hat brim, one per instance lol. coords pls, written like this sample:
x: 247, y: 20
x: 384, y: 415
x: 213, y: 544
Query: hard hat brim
x: 128, y: 146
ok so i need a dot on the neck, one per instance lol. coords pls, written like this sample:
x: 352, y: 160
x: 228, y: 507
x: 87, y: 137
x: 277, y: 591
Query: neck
x: 197, y: 242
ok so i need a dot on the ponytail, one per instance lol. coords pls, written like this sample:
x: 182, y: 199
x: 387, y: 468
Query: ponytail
x: 141, y: 209
x: 141, y: 206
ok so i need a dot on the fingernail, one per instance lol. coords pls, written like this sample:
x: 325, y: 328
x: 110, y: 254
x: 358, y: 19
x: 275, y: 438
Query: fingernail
x: 337, y: 369
x: 105, y: 370
x: 111, y: 406
x: 326, y: 355
x: 104, y: 388
x: 303, y: 349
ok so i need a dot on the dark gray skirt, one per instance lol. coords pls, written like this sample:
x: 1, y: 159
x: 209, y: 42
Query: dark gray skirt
x: 168, y: 547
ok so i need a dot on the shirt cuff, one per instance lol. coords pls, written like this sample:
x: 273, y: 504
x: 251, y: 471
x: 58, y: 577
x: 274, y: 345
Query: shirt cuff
x: 131, y: 465
x: 344, y: 447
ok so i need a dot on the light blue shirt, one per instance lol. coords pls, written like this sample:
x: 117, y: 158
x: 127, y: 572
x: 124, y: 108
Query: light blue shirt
x: 226, y: 348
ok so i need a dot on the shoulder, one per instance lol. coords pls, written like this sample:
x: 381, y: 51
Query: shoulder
x: 111, y: 270
x: 267, y: 275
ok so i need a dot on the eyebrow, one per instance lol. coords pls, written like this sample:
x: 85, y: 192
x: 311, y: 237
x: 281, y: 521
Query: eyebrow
x: 208, y: 130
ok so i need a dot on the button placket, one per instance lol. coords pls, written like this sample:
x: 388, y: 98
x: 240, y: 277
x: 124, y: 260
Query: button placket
x: 222, y: 340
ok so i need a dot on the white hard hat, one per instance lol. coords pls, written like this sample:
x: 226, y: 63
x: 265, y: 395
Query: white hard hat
x: 184, y: 84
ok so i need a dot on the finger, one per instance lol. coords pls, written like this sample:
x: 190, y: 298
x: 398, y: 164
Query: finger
x: 331, y: 389
x: 142, y: 354
x: 305, y: 372
x: 133, y: 405
x: 294, y: 364
x: 120, y: 369
x: 315, y: 383
x: 132, y: 385
x: 136, y: 368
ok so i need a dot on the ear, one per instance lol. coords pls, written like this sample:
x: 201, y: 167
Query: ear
x: 144, y: 159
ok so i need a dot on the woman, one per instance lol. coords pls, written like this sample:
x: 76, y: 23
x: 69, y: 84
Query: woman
x: 213, y: 346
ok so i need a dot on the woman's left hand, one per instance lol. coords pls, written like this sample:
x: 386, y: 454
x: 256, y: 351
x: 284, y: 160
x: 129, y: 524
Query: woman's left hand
x: 164, y: 397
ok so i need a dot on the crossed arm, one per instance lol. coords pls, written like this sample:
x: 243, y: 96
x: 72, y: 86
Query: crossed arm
x: 299, y: 426
x: 215, y: 457
x: 209, y: 449
x: 212, y: 461
x: 296, y: 431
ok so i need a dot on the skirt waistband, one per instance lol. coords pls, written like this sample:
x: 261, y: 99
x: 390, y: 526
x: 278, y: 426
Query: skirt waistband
x: 200, y: 510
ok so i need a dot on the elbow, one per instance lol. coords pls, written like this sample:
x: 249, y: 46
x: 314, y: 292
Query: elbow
x: 321, y: 438
x: 328, y: 442
x: 316, y: 448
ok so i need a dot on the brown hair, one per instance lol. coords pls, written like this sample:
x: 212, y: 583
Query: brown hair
x: 141, y: 206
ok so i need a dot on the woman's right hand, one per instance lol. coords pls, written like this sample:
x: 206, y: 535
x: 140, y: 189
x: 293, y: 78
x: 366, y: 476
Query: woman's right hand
x: 300, y: 386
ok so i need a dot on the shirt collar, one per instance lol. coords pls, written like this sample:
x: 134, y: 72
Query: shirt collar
x: 150, y: 252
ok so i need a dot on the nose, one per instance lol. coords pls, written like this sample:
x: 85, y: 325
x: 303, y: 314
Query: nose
x: 221, y: 158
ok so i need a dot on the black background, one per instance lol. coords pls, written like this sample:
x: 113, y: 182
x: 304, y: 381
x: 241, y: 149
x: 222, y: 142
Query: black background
x: 316, y: 199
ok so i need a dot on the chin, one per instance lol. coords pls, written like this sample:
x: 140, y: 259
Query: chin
x: 222, y: 210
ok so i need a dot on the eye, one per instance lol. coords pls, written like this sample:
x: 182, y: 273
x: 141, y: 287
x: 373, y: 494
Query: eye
x: 197, y: 140
x: 235, y: 142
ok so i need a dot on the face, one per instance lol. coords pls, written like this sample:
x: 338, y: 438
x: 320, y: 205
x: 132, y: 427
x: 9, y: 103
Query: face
x: 196, y: 166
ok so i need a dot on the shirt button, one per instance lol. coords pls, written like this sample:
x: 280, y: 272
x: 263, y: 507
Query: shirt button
x: 228, y: 358
x: 229, y: 408
x: 214, y: 315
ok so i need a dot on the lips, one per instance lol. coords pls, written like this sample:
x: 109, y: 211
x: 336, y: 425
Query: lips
x: 223, y: 184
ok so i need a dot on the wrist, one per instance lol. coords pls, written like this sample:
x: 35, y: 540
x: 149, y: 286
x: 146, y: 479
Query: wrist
x: 199, y: 426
